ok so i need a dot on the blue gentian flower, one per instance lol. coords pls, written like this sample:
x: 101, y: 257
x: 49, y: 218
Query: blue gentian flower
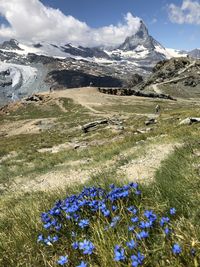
x: 193, y: 252
x: 106, y: 212
x: 167, y: 230
x: 55, y: 238
x: 131, y: 228
x: 114, y: 208
x: 142, y: 235
x: 138, y: 192
x: 172, y: 211
x: 131, y: 244
x: 144, y: 224
x: 119, y: 253
x: 82, y: 264
x: 150, y: 215
x: 114, y: 221
x: 176, y: 249
x: 62, y: 260
x: 48, y: 241
x: 137, y: 259
x: 112, y: 186
x: 40, y: 238
x: 164, y: 220
x: 133, y: 185
x: 75, y: 245
x: 83, y: 223
x: 58, y: 227
x: 132, y: 209
x: 87, y: 247
x: 134, y: 219
x: 47, y: 225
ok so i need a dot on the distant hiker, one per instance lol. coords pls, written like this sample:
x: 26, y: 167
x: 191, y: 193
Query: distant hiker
x: 157, y: 109
x: 91, y: 84
x: 51, y: 89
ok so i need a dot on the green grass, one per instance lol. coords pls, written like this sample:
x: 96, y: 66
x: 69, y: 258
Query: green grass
x: 173, y: 187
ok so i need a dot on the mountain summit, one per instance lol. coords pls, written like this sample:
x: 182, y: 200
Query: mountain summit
x: 12, y: 44
x: 140, y: 38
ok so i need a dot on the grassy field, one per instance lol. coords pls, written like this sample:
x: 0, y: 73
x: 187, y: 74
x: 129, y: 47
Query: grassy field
x: 176, y: 183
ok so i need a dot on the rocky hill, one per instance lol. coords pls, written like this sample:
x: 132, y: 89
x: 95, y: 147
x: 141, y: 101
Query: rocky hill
x: 179, y: 77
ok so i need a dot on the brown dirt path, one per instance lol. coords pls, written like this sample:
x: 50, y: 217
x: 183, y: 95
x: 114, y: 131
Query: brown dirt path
x: 140, y: 169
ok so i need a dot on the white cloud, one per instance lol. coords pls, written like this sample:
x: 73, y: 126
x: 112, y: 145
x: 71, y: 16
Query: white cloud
x: 188, y: 12
x: 154, y: 20
x: 32, y: 21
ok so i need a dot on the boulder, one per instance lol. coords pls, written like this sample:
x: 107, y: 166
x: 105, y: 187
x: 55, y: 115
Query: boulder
x: 189, y: 121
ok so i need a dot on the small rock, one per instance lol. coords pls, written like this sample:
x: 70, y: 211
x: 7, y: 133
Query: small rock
x: 150, y: 121
x: 120, y: 128
x: 76, y: 146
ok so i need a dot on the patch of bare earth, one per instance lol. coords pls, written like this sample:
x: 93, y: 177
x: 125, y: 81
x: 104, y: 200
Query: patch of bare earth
x: 53, y: 180
x: 143, y: 168
x: 26, y: 126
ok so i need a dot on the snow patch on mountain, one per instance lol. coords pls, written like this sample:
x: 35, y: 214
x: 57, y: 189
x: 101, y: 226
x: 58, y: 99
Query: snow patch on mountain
x: 169, y: 52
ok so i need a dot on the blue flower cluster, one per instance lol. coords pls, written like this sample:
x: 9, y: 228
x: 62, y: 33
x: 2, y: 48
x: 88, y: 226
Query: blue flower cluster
x: 78, y: 212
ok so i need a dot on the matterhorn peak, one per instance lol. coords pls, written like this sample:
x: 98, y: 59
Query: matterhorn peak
x: 140, y: 38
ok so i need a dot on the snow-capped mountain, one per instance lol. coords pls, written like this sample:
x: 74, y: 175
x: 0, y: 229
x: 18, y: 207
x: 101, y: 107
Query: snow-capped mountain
x: 47, y: 64
x: 143, y: 46
x: 195, y: 53
x: 141, y: 38
x: 138, y: 47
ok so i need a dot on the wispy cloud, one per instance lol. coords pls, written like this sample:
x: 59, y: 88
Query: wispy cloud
x: 154, y: 20
x: 32, y: 21
x: 188, y: 12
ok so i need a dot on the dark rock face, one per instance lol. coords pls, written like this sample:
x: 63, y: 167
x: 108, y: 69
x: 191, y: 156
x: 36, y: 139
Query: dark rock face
x: 84, y: 51
x: 73, y: 79
x: 33, y: 58
x: 10, y: 45
x: 37, y: 45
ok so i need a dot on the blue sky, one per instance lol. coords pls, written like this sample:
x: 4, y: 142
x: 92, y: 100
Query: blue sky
x: 171, y: 27
x: 154, y: 13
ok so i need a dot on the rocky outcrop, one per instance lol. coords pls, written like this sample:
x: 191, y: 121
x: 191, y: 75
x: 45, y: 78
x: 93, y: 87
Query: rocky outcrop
x: 131, y: 92
x: 113, y: 121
